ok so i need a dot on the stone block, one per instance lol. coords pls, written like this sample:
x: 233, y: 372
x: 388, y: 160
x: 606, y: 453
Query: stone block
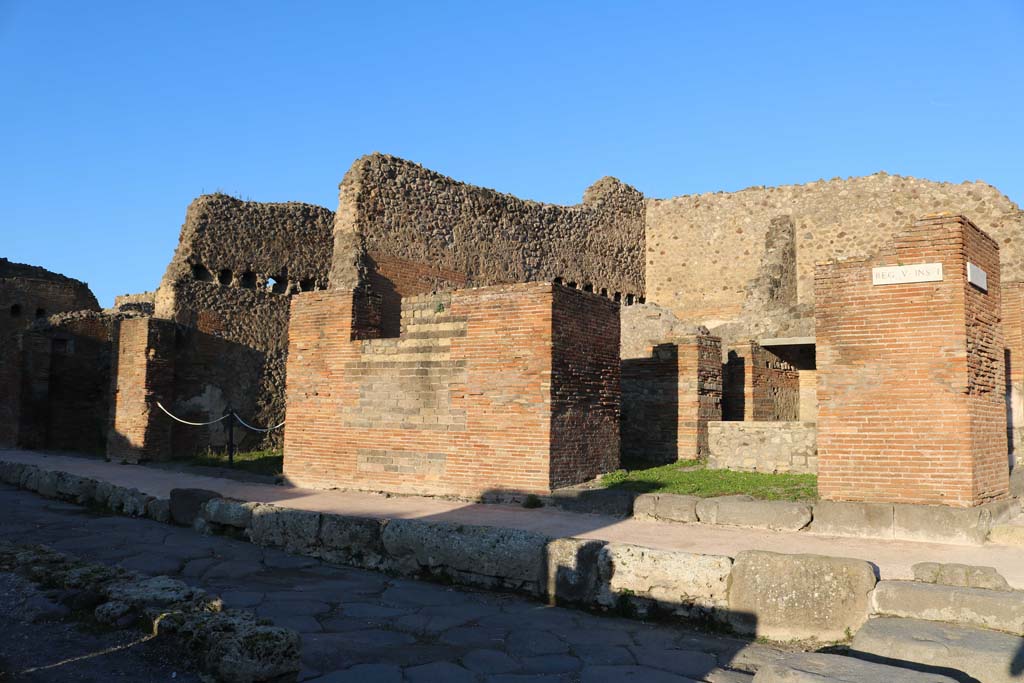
x: 75, y: 488
x: 296, y: 531
x: 816, y: 667
x: 355, y: 541
x: 785, y: 597
x: 577, y: 570
x: 745, y: 511
x: 860, y: 520
x: 1007, y: 534
x: 688, y: 584
x: 999, y: 610
x: 965, y: 575
x: 11, y: 472
x: 941, y: 524
x: 226, y: 512
x: 30, y: 478
x: 666, y: 506
x: 186, y: 504
x: 159, y: 509
x: 491, y: 557
x: 46, y: 483
x: 984, y: 655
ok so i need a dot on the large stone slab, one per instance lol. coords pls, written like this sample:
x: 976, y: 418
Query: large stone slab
x: 1000, y: 610
x: 941, y: 524
x: 787, y: 597
x: 859, y: 520
x: 232, y: 513
x: 987, y: 656
x: 577, y: 570
x: 762, y: 514
x: 688, y: 584
x: 815, y: 667
x: 669, y: 507
x: 476, y: 555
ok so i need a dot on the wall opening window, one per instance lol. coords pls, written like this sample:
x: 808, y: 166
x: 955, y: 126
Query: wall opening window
x: 224, y: 277
x: 248, y: 280
x: 201, y: 273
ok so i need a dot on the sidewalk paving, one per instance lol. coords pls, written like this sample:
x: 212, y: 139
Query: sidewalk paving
x: 893, y: 558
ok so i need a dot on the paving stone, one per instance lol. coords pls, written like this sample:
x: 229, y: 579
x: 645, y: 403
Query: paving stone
x: 531, y: 678
x: 326, y: 652
x: 551, y: 664
x: 298, y: 623
x: 966, y: 575
x: 281, y: 560
x: 473, y: 636
x: 153, y: 564
x: 615, y: 674
x: 816, y: 667
x: 439, y: 671
x: 597, y: 636
x: 196, y: 568
x: 370, y: 610
x: 239, y: 599
x: 274, y: 608
x: 988, y: 656
x: 727, y: 676
x: 604, y: 654
x: 535, y: 642
x: 489, y: 662
x: 655, y: 638
x: 686, y: 662
x: 364, y: 673
x: 232, y: 569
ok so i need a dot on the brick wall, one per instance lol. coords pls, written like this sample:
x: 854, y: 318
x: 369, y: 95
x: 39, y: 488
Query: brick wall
x: 760, y: 386
x: 480, y: 394
x: 668, y: 399
x: 143, y: 372
x: 911, y: 388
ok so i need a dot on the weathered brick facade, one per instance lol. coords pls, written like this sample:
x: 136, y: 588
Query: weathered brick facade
x: 1013, y: 332
x: 669, y: 397
x: 143, y: 373
x: 911, y: 385
x: 760, y: 386
x: 507, y: 388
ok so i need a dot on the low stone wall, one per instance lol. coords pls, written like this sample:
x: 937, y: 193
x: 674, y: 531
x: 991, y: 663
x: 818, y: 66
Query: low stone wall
x: 763, y: 446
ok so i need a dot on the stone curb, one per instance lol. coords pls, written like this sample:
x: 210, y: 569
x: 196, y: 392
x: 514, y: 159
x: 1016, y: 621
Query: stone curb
x: 928, y: 523
x: 234, y: 646
x: 629, y: 579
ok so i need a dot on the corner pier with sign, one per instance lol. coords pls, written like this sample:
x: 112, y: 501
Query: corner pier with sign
x: 911, y: 365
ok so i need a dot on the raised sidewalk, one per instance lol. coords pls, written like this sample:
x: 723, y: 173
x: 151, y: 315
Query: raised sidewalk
x: 894, y: 559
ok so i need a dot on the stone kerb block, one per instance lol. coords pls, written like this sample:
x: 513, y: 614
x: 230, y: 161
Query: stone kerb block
x: 817, y: 667
x: 666, y: 506
x: 787, y: 597
x: 186, y: 504
x: 578, y: 570
x: 490, y: 557
x: 297, y: 531
x: 988, y: 656
x: 860, y: 520
x: 354, y: 541
x: 998, y: 610
x: 746, y: 511
x: 231, y: 513
x: 690, y: 585
x: 936, y: 523
x: 964, y: 575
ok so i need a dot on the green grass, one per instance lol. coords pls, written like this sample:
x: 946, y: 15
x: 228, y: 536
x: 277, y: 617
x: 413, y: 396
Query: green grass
x: 268, y: 462
x: 690, y: 477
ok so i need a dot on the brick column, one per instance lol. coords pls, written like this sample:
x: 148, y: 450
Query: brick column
x: 143, y: 373
x: 1013, y: 330
x: 911, y: 386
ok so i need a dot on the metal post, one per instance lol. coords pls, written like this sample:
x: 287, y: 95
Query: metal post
x: 231, y: 435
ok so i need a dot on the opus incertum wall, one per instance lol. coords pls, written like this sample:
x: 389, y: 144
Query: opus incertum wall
x: 911, y: 385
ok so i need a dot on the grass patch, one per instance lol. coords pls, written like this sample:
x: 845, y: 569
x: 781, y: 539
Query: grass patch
x: 690, y: 477
x: 269, y: 462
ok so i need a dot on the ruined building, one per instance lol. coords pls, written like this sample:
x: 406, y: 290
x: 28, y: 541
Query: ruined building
x: 434, y: 336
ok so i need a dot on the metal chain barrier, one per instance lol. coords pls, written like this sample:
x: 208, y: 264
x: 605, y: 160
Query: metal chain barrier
x: 228, y: 412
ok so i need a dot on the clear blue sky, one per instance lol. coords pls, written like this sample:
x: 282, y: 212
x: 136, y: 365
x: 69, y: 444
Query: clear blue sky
x: 114, y: 115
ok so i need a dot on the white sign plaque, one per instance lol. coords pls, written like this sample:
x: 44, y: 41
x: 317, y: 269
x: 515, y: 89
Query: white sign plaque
x: 898, y: 275
x: 977, y: 277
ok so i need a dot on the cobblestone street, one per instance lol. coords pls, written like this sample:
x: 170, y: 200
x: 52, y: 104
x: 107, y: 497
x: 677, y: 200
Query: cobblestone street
x: 366, y: 626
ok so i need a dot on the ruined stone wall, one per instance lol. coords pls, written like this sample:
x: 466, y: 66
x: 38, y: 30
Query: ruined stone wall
x: 760, y: 386
x: 412, y: 231
x: 911, y: 387
x: 142, y: 302
x: 763, y: 447
x: 30, y: 293
x: 229, y: 287
x: 710, y: 256
x: 478, y: 396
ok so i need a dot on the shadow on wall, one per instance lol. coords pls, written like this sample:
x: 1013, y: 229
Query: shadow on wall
x: 650, y: 407
x: 734, y: 400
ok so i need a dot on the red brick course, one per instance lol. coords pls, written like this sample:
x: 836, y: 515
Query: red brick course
x: 507, y: 388
x: 910, y: 376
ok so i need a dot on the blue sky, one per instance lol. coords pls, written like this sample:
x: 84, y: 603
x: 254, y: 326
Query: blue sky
x: 114, y: 116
